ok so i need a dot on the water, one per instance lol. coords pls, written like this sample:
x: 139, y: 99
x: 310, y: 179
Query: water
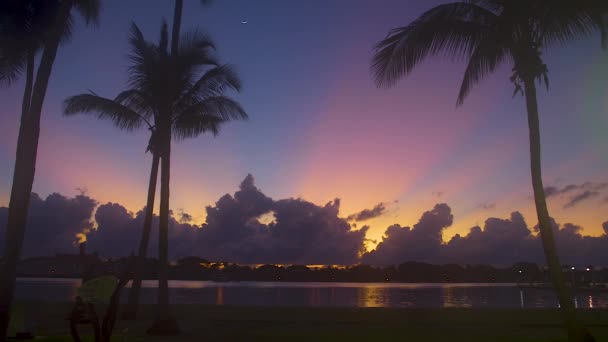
x: 328, y: 294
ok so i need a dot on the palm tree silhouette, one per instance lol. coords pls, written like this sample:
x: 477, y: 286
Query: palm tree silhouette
x: 45, y: 26
x: 178, y: 96
x: 489, y: 33
x: 127, y: 118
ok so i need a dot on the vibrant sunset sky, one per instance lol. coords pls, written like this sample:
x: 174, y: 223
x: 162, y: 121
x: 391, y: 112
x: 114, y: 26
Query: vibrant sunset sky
x: 319, y: 127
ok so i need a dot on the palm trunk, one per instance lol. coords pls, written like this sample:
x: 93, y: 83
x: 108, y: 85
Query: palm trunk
x: 130, y: 311
x: 29, y: 82
x: 576, y: 331
x: 177, y: 23
x: 164, y: 324
x: 25, y: 168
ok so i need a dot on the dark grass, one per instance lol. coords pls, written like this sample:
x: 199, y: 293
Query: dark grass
x: 224, y: 323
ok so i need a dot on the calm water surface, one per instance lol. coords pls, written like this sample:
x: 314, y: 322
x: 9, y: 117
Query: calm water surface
x: 328, y: 294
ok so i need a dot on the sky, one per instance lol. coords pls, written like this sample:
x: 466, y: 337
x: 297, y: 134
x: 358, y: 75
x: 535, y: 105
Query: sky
x: 320, y: 129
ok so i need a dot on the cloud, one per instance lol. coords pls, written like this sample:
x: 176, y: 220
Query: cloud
x: 368, y: 214
x: 487, y: 206
x: 302, y: 232
x: 119, y: 232
x: 553, y: 191
x: 420, y: 243
x: 574, y: 200
x: 577, y: 192
x: 239, y: 229
x: 437, y: 194
x: 52, y: 224
x: 499, y: 242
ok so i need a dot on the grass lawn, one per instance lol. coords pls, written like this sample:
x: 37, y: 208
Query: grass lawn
x: 225, y: 323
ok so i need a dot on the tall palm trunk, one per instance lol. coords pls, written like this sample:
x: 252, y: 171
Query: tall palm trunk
x: 576, y: 331
x: 25, y: 167
x: 130, y: 311
x: 177, y: 23
x: 164, y: 324
x: 29, y: 83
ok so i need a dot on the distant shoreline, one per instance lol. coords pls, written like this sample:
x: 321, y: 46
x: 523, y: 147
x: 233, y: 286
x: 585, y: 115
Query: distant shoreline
x: 598, y: 287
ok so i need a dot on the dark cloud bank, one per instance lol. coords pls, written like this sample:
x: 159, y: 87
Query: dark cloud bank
x: 300, y: 233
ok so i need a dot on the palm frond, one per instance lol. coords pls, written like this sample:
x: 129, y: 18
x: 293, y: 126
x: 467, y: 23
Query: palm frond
x: 68, y: 29
x: 89, y: 10
x: 221, y: 107
x: 23, y: 27
x: 452, y: 29
x: 560, y: 21
x: 143, y: 58
x: 194, y: 126
x: 11, y: 68
x: 486, y: 57
x: 137, y: 101
x: 196, y: 48
x: 195, y: 55
x: 105, y: 109
x: 213, y: 82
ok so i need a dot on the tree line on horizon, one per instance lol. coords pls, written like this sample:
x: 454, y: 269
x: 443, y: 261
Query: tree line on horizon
x: 167, y: 93
x: 196, y: 268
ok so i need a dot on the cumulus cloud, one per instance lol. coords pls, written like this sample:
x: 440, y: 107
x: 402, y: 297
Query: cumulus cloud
x: 237, y: 229
x: 574, y: 200
x: 420, y: 243
x: 53, y: 223
x: 119, y: 231
x: 499, y: 242
x: 368, y: 214
x: 302, y: 232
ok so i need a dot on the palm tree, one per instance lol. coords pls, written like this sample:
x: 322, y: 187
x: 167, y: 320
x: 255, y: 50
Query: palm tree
x: 184, y: 94
x: 29, y: 130
x: 488, y: 33
x: 125, y: 117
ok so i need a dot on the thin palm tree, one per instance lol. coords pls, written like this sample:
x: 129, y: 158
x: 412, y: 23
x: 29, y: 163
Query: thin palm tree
x: 29, y: 129
x: 125, y: 117
x: 179, y: 96
x: 488, y: 33
x: 130, y: 311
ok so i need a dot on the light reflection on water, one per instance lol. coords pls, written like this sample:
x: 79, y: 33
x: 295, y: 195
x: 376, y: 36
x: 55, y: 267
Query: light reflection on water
x: 329, y: 294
